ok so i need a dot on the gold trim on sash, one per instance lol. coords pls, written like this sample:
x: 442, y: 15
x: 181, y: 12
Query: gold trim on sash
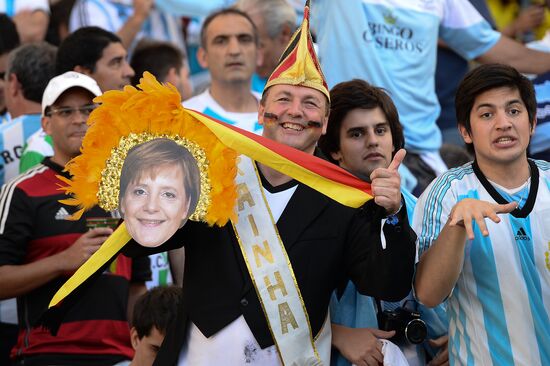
x: 271, y: 271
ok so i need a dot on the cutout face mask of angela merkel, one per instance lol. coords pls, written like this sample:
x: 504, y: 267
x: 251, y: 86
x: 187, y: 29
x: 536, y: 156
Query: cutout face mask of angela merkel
x: 159, y: 189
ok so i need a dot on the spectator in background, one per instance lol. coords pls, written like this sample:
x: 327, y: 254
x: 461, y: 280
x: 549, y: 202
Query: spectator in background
x: 450, y: 70
x: 58, y: 28
x: 40, y: 145
x: 393, y: 44
x: 229, y: 50
x: 9, y: 40
x: 30, y: 16
x: 39, y: 247
x: 275, y: 21
x: 153, y: 313
x: 539, y: 148
x: 166, y: 62
x: 363, y: 135
x: 29, y: 69
x: 97, y: 53
x: 130, y: 20
x: 91, y: 51
x: 520, y: 19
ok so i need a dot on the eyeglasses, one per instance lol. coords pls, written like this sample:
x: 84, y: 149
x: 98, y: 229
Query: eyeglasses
x: 67, y: 112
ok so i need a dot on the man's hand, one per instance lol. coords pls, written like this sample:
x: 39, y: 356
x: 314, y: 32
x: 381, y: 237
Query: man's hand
x: 442, y: 356
x: 470, y: 209
x: 360, y: 346
x: 528, y: 19
x: 83, y: 248
x: 142, y: 8
x: 386, y: 184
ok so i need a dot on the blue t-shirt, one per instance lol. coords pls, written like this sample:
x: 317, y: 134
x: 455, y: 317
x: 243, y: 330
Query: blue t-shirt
x: 451, y: 69
x: 393, y: 44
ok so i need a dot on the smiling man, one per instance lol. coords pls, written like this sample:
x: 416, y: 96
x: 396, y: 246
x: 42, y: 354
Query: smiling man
x: 229, y: 50
x: 484, y: 229
x: 257, y: 290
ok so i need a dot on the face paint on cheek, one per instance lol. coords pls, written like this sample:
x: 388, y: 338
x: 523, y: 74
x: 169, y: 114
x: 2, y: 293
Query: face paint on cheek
x: 270, y: 117
x: 273, y: 118
x: 314, y: 124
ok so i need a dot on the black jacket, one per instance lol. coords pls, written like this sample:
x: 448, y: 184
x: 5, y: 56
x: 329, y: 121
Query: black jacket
x: 327, y: 244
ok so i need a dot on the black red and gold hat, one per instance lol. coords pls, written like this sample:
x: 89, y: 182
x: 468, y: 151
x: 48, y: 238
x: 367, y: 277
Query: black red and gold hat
x: 299, y: 64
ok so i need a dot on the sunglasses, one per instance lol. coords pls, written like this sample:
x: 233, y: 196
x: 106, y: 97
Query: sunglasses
x: 67, y: 112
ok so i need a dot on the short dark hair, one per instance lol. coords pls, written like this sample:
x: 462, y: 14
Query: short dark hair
x: 227, y: 11
x: 34, y: 65
x: 487, y: 77
x: 157, y: 308
x: 157, y: 58
x: 358, y: 94
x: 9, y: 38
x: 84, y: 47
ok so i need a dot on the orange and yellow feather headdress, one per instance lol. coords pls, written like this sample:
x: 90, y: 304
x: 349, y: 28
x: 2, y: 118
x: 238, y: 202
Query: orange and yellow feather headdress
x: 128, y: 118
x: 132, y: 116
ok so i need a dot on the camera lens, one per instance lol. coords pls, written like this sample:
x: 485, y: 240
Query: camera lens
x: 416, y: 331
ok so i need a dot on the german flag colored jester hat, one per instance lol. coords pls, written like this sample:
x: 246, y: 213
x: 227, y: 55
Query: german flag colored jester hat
x: 298, y: 64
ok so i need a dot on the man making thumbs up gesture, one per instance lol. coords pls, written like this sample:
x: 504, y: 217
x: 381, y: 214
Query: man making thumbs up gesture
x: 364, y: 136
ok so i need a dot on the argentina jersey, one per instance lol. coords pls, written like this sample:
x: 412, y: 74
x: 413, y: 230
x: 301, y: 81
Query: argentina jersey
x: 13, y: 136
x: 499, y: 308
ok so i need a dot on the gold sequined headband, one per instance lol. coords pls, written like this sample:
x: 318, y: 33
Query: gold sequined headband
x: 131, y: 117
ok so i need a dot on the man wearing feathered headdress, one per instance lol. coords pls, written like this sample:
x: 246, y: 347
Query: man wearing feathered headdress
x: 257, y: 290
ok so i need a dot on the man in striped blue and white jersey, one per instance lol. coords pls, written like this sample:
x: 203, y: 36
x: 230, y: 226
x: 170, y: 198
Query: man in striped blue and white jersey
x: 484, y: 229
x: 9, y: 40
x: 30, y: 67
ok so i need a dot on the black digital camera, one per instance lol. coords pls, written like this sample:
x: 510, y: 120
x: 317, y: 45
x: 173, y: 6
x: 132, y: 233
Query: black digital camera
x: 407, y: 324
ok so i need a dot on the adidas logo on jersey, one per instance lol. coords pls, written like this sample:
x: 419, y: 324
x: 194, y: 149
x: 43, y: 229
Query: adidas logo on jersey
x: 62, y: 214
x: 522, y: 235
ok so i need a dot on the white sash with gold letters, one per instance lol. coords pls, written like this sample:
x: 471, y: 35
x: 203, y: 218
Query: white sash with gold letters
x: 271, y: 272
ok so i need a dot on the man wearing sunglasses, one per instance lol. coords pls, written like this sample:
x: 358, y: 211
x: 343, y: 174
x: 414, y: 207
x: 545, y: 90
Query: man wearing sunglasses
x: 62, y: 105
x: 39, y: 248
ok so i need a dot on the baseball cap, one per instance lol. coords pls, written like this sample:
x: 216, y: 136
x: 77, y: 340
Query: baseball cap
x: 61, y: 83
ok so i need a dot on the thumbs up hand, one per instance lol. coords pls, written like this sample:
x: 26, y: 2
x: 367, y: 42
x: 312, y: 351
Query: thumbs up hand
x: 386, y: 184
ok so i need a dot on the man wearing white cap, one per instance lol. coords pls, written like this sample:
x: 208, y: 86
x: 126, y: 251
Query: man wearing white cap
x: 39, y: 145
x: 39, y: 248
